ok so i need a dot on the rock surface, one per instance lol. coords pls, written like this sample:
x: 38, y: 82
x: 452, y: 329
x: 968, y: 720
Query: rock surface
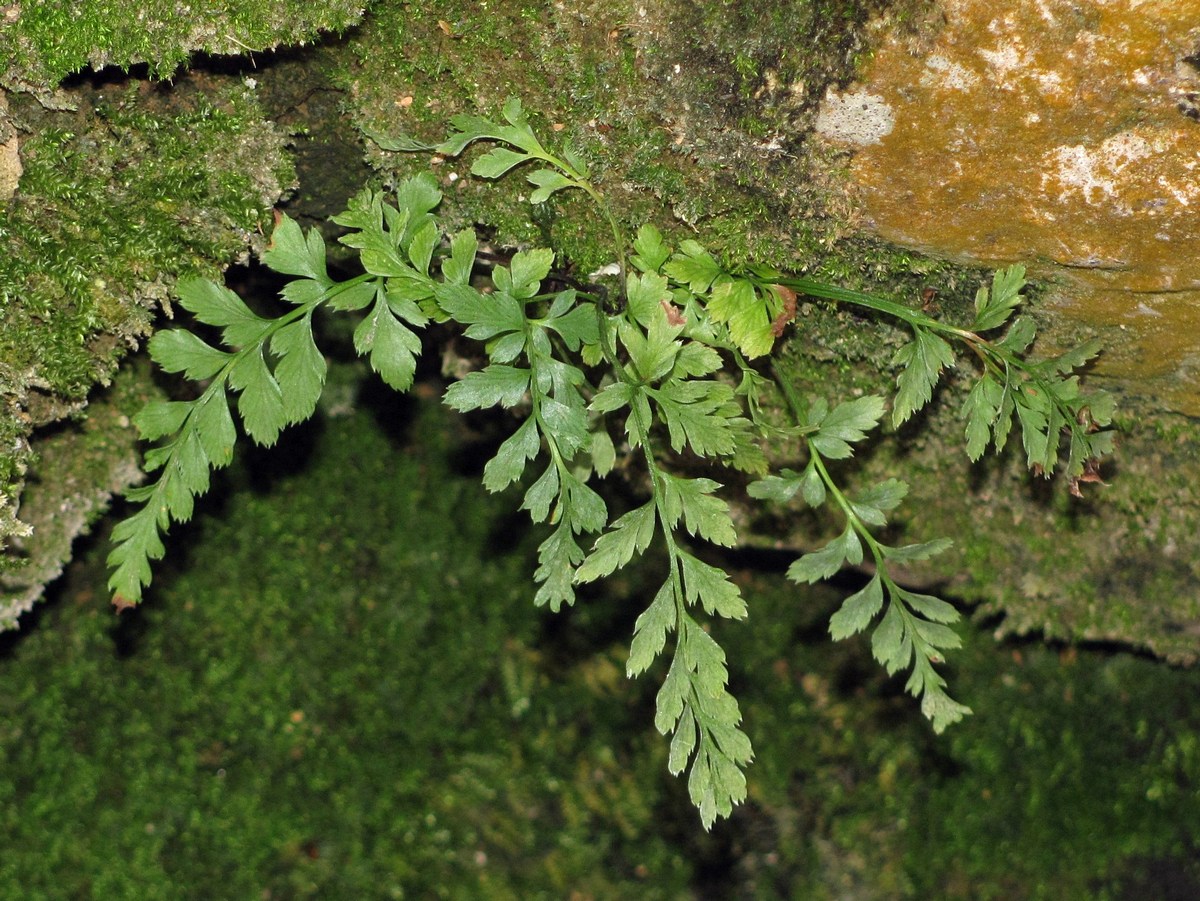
x: 10, y: 153
x: 1059, y: 132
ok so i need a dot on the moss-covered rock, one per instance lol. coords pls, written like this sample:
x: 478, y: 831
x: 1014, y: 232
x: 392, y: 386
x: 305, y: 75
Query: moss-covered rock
x: 694, y: 118
x: 45, y: 42
x: 127, y: 186
x: 140, y: 184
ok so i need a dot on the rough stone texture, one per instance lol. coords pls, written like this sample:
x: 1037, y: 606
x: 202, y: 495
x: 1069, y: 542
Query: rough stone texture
x: 79, y: 466
x: 1063, y: 136
x: 1060, y: 134
x: 700, y: 112
x: 855, y: 117
x: 10, y: 153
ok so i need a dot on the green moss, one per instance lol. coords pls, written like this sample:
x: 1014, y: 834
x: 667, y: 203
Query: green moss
x: 718, y: 146
x: 116, y: 201
x: 377, y: 725
x: 343, y: 690
x: 1082, y: 774
x: 111, y: 206
x: 1078, y: 773
x: 44, y: 42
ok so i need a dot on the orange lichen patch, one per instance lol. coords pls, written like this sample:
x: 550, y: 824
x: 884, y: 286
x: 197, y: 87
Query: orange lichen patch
x: 1060, y: 134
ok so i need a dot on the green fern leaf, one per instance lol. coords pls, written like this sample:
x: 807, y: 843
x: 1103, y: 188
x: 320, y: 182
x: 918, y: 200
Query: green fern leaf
x: 301, y: 369
x: 923, y: 360
x: 261, y: 400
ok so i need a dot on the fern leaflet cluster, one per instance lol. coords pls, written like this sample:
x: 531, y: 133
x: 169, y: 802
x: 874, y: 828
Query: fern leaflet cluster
x: 671, y: 372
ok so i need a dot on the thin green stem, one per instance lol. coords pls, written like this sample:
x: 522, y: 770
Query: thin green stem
x: 844, y: 504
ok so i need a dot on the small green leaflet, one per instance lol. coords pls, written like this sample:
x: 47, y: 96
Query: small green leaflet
x: 135, y: 544
x: 300, y: 370
x: 215, y: 304
x: 1019, y: 335
x: 823, y: 563
x: 747, y: 312
x: 981, y: 410
x: 848, y: 423
x: 696, y: 360
x: 392, y: 346
x: 939, y: 708
x: 548, y: 182
x: 1067, y: 362
x: 400, y: 143
x: 912, y: 553
x: 629, y: 535
x: 649, y: 250
x: 644, y: 297
x: 652, y: 353
x: 497, y: 385
x: 456, y: 268
x: 650, y: 630
x: 1041, y: 421
x: 565, y: 424
x: 394, y: 241
x: 576, y: 325
x: 261, y: 401
x: 783, y: 487
x: 484, y: 316
x: 510, y: 460
x: 496, y: 162
x: 704, y: 515
x: 585, y: 509
x: 716, y: 782
x: 558, y: 556
x: 858, y: 610
x: 214, y: 428
x: 993, y: 308
x: 177, y: 350
x: 701, y: 414
x: 159, y: 418
x: 873, y: 504
x: 525, y: 273
x: 711, y: 587
x: 542, y: 494
x: 923, y: 360
x: 292, y: 253
x: 693, y: 266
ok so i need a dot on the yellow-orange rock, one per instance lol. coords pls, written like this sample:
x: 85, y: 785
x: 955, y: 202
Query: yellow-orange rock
x: 1059, y: 133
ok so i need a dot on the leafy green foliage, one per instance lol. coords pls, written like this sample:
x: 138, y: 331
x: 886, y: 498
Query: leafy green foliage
x: 272, y: 365
x: 575, y: 371
x: 912, y: 632
x: 923, y: 360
